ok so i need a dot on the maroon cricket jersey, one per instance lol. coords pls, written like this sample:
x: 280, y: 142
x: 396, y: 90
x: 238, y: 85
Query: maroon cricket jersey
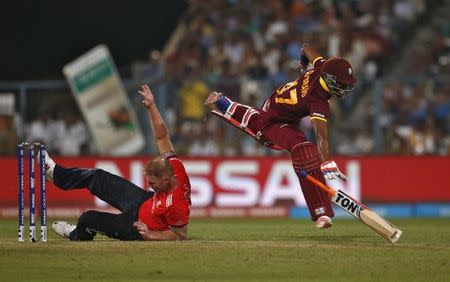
x: 306, y: 96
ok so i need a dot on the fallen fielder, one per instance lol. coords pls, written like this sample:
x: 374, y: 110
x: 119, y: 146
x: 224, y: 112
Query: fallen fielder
x: 160, y: 213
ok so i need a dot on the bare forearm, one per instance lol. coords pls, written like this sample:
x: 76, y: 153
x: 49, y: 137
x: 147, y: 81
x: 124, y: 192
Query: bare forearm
x: 321, y: 132
x: 159, y: 128
x: 310, y: 52
x: 322, y: 146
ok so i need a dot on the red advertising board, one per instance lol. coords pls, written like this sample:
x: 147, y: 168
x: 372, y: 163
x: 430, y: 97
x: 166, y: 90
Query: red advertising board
x: 260, y: 182
x: 405, y: 179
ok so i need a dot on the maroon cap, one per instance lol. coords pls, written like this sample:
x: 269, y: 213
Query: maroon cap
x: 340, y: 68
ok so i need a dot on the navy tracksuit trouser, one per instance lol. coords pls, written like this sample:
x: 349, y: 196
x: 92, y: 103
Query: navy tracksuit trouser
x: 115, y: 190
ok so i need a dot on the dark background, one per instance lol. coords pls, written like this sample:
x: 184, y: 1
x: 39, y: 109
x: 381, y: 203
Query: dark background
x: 40, y: 37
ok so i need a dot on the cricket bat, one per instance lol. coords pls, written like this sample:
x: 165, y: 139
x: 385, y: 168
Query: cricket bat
x: 359, y: 210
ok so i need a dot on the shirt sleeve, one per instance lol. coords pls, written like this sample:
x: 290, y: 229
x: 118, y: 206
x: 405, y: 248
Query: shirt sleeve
x: 178, y: 212
x: 168, y: 155
x: 319, y: 110
x: 179, y: 169
x: 318, y: 62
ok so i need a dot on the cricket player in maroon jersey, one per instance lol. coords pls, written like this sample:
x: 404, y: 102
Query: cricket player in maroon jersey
x: 161, y: 214
x: 276, y: 124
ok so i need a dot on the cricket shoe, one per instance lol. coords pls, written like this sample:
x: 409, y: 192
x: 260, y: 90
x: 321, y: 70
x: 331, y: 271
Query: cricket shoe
x: 63, y: 228
x: 49, y: 166
x: 210, y: 102
x: 324, y: 222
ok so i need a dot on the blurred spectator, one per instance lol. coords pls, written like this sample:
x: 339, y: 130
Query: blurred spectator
x: 234, y: 48
x: 8, y: 136
x: 46, y: 129
x: 152, y: 70
x: 73, y: 137
x: 193, y: 92
x: 202, y: 144
x: 228, y: 82
x: 8, y: 130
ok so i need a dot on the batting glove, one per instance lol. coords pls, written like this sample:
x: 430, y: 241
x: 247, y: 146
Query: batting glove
x: 331, y: 171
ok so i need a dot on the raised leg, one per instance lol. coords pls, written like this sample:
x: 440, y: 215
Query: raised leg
x: 115, y: 190
x: 243, y: 117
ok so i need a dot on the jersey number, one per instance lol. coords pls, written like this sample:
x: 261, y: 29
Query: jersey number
x: 292, y: 100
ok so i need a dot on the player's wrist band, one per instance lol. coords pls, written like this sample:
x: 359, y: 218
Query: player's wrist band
x: 166, y: 155
x: 222, y: 104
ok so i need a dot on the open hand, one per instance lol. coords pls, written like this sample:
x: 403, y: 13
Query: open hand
x: 147, y: 94
x: 142, y: 228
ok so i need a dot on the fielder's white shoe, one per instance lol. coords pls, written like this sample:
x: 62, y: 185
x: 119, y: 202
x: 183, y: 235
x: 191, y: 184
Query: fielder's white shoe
x: 63, y: 228
x: 324, y: 222
x: 49, y: 166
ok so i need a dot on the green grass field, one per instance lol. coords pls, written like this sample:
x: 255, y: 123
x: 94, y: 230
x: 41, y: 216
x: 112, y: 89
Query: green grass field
x: 239, y: 250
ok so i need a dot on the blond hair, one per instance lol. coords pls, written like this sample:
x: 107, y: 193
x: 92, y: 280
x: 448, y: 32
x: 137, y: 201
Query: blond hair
x: 158, y: 167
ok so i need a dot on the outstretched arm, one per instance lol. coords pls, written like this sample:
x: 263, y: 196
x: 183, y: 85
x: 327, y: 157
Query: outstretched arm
x: 159, y: 129
x: 308, y: 55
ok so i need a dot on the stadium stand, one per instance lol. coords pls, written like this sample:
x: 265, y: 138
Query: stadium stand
x: 248, y: 48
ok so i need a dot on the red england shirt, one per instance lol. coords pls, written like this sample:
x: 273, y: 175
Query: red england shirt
x: 169, y: 209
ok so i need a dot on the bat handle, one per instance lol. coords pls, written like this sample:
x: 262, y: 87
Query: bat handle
x: 316, y: 182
